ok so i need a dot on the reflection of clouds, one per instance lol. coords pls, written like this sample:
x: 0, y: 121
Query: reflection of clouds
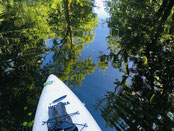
x: 100, y: 9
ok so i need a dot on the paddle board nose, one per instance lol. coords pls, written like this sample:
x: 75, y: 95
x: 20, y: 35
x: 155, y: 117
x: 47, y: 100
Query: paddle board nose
x: 56, y: 91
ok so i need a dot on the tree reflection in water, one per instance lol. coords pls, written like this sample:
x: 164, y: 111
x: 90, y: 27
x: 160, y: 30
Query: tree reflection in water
x: 141, y: 45
x: 24, y: 27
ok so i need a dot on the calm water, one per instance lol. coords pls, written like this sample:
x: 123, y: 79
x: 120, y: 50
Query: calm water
x: 116, y: 56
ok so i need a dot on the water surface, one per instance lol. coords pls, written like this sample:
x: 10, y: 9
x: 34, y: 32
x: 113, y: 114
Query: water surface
x: 117, y: 56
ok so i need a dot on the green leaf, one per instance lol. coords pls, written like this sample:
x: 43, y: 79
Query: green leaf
x: 29, y: 114
x: 159, y: 84
x: 129, y: 28
x: 145, y: 60
x: 133, y: 93
x: 157, y: 78
x: 25, y: 123
x: 30, y: 123
x: 152, y: 98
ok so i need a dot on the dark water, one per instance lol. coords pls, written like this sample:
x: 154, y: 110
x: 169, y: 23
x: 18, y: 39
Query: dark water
x: 117, y: 60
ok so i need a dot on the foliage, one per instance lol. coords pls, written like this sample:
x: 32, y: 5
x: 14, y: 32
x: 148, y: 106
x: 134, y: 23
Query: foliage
x: 141, y: 47
x: 76, y: 26
x: 24, y: 28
